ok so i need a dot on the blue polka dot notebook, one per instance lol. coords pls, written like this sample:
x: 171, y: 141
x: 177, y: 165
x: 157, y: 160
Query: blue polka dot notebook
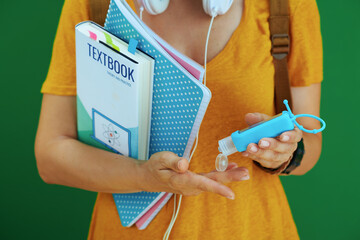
x: 179, y: 104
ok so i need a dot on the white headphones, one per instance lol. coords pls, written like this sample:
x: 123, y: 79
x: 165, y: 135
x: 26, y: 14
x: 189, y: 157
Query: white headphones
x: 211, y: 7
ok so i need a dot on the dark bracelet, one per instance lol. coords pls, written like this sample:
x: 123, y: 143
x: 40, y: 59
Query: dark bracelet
x: 296, y: 159
x: 289, y: 165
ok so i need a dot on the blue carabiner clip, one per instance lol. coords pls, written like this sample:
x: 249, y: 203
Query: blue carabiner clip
x: 294, y: 117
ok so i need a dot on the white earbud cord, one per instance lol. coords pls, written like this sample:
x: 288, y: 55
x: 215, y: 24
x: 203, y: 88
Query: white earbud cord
x: 141, y: 12
x: 177, y: 208
x: 206, y: 46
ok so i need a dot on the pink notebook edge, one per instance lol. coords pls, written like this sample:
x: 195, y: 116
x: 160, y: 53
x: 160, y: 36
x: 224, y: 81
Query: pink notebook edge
x: 145, y: 220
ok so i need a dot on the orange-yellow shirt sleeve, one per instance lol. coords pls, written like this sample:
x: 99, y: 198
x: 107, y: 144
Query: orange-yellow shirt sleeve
x: 306, y: 54
x: 61, y: 78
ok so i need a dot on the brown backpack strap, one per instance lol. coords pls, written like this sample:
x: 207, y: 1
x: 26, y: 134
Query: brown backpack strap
x: 98, y: 10
x: 279, y: 33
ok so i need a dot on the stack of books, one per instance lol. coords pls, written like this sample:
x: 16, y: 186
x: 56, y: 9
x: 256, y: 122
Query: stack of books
x: 136, y: 95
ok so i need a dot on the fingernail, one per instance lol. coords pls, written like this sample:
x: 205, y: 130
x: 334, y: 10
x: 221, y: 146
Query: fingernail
x: 264, y: 144
x: 285, y: 138
x: 245, y: 154
x: 233, y: 165
x: 246, y: 177
x: 253, y: 149
x: 179, y: 165
x: 257, y: 115
x: 231, y: 197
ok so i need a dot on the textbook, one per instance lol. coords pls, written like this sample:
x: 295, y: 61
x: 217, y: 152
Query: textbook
x: 114, y: 93
x: 114, y: 87
x: 179, y: 101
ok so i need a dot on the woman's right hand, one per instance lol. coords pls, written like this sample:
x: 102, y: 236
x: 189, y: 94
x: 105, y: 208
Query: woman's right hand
x: 64, y: 160
x: 166, y: 172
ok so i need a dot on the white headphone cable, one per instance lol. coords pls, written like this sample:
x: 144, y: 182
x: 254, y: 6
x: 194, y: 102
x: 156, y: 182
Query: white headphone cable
x: 206, y: 46
x: 141, y: 12
x: 177, y: 208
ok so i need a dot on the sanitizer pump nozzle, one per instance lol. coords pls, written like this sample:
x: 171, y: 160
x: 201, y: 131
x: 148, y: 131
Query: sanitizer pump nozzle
x: 239, y: 140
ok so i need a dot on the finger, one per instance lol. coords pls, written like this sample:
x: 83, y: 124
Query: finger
x: 209, y: 185
x: 232, y: 175
x: 276, y: 145
x: 267, y: 164
x: 253, y: 118
x: 231, y: 165
x: 202, y: 183
x: 170, y: 160
x: 268, y: 155
x: 293, y: 136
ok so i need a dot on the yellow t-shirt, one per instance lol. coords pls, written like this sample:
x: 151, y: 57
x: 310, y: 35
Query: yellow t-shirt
x: 241, y: 79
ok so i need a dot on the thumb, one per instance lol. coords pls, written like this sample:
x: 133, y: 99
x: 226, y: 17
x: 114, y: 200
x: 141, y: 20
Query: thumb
x: 253, y: 118
x: 171, y: 161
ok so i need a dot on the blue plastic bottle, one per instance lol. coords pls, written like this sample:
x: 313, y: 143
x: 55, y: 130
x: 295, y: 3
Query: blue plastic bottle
x: 239, y: 140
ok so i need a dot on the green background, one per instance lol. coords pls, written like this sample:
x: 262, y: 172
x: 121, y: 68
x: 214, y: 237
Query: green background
x: 325, y: 202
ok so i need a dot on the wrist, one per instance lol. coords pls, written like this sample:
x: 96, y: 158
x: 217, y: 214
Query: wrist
x: 128, y: 176
x: 296, y: 158
x: 140, y: 170
x: 274, y: 171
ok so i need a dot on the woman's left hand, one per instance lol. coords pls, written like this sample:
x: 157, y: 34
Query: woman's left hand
x: 271, y: 152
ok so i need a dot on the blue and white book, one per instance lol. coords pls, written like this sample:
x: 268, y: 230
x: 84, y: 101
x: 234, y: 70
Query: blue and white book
x: 114, y: 98
x: 114, y: 88
x: 179, y: 100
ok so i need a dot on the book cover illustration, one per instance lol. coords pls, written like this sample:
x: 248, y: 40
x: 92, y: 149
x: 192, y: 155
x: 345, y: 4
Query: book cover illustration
x: 111, y: 134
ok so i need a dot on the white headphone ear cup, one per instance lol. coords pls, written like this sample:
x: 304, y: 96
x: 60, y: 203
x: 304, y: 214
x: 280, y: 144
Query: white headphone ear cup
x: 216, y: 7
x: 155, y: 7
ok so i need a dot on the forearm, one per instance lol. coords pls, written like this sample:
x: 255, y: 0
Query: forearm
x: 312, y: 146
x: 62, y: 159
x: 66, y: 161
x: 273, y: 153
x: 307, y: 100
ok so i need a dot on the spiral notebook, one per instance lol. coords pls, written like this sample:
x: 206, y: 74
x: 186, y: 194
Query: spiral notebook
x: 179, y: 105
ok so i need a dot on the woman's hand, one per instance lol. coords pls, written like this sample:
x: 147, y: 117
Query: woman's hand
x: 166, y: 172
x: 271, y: 152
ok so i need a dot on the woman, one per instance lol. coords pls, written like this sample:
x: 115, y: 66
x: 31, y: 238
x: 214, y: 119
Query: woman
x: 240, y: 74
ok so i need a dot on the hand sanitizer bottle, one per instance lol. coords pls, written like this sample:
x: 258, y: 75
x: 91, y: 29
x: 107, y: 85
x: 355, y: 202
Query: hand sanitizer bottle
x: 239, y: 140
